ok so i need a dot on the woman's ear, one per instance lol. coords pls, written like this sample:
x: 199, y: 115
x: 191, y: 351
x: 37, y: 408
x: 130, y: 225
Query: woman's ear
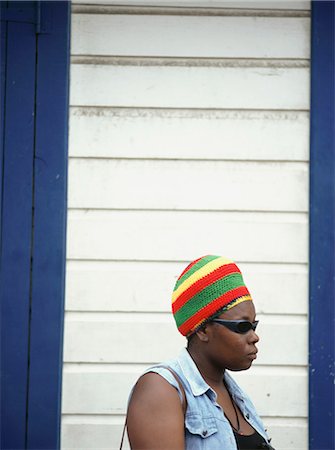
x: 203, y: 333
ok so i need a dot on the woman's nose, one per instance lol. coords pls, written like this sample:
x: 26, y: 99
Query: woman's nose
x: 254, y: 338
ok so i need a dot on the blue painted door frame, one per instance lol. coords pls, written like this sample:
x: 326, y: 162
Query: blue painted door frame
x: 322, y: 228
x: 34, y: 106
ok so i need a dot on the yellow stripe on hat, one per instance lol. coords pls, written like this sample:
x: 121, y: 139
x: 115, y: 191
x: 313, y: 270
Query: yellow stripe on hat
x: 239, y: 300
x: 198, y: 324
x: 205, y: 270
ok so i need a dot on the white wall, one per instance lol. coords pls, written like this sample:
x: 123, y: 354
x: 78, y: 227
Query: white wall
x: 189, y: 134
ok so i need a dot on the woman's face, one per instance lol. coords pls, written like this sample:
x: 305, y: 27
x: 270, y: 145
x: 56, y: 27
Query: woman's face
x: 231, y: 350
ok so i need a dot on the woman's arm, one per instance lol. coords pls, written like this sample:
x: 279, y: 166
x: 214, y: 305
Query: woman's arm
x: 155, y: 418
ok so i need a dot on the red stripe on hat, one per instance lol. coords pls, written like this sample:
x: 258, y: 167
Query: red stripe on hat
x: 212, y: 308
x: 202, y: 283
x: 189, y: 266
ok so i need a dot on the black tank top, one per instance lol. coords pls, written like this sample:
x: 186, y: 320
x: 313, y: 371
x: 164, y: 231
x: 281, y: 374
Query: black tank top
x: 251, y: 442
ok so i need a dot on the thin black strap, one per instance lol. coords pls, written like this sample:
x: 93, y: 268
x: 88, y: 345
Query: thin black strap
x: 123, y: 433
x: 184, y: 401
x: 181, y: 387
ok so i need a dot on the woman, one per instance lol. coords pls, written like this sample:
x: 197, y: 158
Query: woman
x: 192, y: 402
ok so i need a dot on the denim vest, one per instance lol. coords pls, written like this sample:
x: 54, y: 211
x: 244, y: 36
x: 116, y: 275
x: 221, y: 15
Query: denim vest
x: 206, y: 426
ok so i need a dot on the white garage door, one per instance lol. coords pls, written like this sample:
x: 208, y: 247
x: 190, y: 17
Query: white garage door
x: 189, y: 135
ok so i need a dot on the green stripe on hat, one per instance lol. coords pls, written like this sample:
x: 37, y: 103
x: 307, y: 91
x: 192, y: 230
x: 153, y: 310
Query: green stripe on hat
x: 202, y: 262
x: 207, y: 295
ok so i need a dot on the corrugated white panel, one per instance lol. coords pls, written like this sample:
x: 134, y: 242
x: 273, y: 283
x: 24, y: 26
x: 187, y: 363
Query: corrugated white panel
x: 280, y: 392
x: 188, y: 185
x: 189, y: 131
x: 90, y: 337
x: 171, y: 236
x: 94, y: 432
x: 287, y: 433
x: 247, y: 4
x: 189, y: 36
x: 123, y: 286
x: 189, y: 134
x: 184, y: 86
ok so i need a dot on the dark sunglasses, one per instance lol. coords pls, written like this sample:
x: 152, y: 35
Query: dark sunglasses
x: 238, y: 326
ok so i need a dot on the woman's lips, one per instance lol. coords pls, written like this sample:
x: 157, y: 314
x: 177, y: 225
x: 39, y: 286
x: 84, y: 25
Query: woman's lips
x: 253, y: 355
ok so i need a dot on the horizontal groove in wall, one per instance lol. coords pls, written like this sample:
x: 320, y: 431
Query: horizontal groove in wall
x: 292, y: 216
x: 261, y: 369
x: 118, y: 419
x: 117, y: 316
x: 265, y: 212
x: 213, y: 113
x: 184, y: 11
x: 139, y: 111
x: 144, y: 158
x: 101, y: 314
x: 265, y: 162
x: 258, y: 266
x: 165, y: 317
x: 120, y: 317
x: 285, y: 421
x: 118, y: 368
x: 99, y: 419
x: 168, y: 261
x: 75, y: 367
x: 141, y: 61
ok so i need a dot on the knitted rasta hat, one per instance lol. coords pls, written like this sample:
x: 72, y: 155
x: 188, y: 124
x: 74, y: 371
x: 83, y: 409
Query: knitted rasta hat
x: 207, y: 287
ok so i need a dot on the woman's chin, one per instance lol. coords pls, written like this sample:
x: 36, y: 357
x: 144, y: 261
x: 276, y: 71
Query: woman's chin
x: 245, y: 366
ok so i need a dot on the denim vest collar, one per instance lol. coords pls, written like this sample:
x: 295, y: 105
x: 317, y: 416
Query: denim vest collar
x: 191, y: 372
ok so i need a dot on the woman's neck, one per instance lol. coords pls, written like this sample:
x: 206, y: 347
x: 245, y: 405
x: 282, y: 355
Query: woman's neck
x: 211, y: 373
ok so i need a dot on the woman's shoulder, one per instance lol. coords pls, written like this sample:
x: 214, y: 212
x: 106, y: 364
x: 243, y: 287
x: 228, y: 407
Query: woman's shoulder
x: 152, y: 384
x: 153, y: 402
x: 159, y: 379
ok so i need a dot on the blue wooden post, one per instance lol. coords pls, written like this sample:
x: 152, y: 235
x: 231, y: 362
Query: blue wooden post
x: 322, y: 227
x: 3, y: 93
x: 17, y: 176
x: 48, y: 271
x: 35, y: 68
